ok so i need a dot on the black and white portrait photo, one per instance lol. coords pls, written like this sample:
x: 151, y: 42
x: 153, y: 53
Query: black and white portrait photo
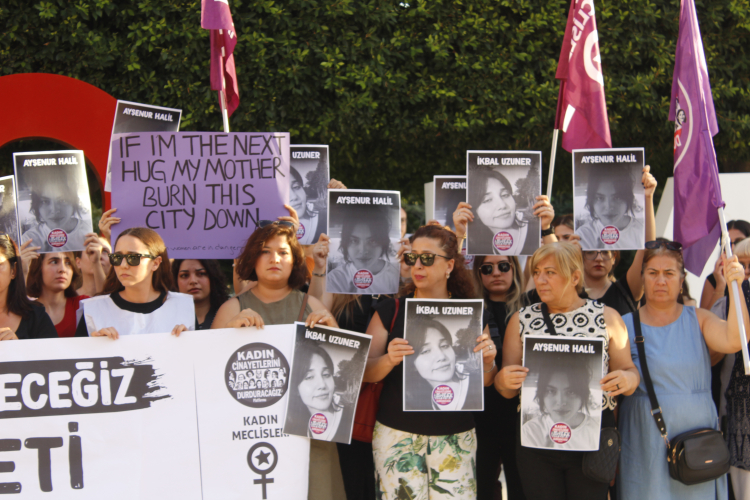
x: 135, y: 117
x: 609, y: 198
x: 365, y: 228
x: 561, y: 399
x: 307, y: 190
x: 8, y: 218
x: 450, y: 190
x: 502, y: 189
x: 326, y: 376
x: 54, y: 207
x: 444, y: 373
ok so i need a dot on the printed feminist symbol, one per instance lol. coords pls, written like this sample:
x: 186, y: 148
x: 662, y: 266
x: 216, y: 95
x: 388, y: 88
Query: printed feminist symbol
x: 260, y: 464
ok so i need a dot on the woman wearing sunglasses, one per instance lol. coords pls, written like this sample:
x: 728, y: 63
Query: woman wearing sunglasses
x: 20, y: 318
x: 679, y: 343
x: 137, y: 297
x: 501, y: 282
x: 422, y: 441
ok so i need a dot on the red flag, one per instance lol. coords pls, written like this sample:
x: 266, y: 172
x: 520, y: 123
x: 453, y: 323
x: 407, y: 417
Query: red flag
x: 215, y: 16
x: 581, y: 107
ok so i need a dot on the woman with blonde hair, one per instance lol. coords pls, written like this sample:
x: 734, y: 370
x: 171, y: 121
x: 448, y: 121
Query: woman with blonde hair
x: 557, y: 270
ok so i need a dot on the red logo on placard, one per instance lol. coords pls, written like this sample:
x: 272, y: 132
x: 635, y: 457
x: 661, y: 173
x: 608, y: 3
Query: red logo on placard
x: 300, y: 231
x: 362, y: 279
x: 610, y: 235
x: 442, y: 395
x: 57, y: 238
x: 318, y: 423
x: 560, y: 433
x: 503, y: 240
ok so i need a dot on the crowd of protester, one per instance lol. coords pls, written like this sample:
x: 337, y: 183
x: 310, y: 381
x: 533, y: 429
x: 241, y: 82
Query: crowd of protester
x: 130, y: 286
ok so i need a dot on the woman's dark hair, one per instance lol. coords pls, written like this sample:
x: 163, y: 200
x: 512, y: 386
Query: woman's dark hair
x: 623, y: 182
x: 460, y: 284
x: 663, y: 250
x: 303, y: 356
x: 162, y: 279
x: 245, y: 266
x: 380, y: 228
x: 566, y: 220
x: 17, y: 301
x: 579, y: 377
x: 216, y: 280
x: 36, y: 282
x: 740, y: 225
x: 62, y: 176
x: 477, y: 189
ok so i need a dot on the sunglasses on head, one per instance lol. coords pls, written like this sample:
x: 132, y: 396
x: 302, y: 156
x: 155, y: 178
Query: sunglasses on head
x: 427, y: 259
x: 675, y: 246
x: 488, y: 268
x: 133, y: 259
x: 285, y: 223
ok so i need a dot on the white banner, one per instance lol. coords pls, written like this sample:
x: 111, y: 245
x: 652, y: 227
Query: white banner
x: 148, y: 417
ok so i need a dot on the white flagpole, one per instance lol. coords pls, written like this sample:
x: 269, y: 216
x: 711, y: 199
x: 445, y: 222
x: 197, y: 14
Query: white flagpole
x: 552, y: 164
x: 222, y: 92
x: 735, y: 292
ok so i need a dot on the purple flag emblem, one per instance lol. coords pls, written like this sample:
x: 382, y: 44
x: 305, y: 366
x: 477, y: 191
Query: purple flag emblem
x: 697, y: 193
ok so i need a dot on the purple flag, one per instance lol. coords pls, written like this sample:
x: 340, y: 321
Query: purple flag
x: 697, y: 193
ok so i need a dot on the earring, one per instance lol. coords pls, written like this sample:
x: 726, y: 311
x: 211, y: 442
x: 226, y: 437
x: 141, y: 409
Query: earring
x: 680, y: 290
x: 447, y: 276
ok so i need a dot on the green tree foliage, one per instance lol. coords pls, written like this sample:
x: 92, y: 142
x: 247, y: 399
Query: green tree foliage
x: 399, y: 90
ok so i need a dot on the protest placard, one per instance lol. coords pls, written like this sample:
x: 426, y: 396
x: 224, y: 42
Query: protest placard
x: 502, y: 187
x: 365, y: 228
x: 149, y: 417
x: 308, y: 190
x: 203, y: 192
x: 327, y: 372
x: 561, y: 398
x: 450, y: 190
x: 135, y: 117
x: 8, y: 216
x: 609, y: 198
x: 52, y: 198
x: 444, y: 373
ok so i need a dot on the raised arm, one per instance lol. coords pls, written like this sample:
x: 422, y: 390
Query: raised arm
x: 634, y: 276
x: 318, y: 281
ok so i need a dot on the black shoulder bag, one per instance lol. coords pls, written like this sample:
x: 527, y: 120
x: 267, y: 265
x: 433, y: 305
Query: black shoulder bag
x: 600, y: 465
x: 694, y: 456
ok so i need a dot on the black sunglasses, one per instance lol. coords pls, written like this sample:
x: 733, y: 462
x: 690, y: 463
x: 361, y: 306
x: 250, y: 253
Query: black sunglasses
x: 487, y: 269
x: 285, y: 223
x: 133, y: 259
x: 675, y: 246
x: 427, y: 259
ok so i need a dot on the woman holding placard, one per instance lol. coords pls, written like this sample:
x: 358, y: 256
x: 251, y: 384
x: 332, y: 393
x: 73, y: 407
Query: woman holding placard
x: 557, y: 271
x: 137, y: 297
x: 679, y: 343
x: 20, y: 318
x: 422, y: 441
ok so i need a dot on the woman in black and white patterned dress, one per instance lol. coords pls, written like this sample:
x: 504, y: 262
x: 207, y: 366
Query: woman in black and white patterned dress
x: 557, y: 270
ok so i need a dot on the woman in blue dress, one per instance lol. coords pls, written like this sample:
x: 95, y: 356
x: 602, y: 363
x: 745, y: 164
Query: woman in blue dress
x: 680, y: 342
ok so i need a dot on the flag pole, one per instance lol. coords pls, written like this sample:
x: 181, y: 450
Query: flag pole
x: 735, y: 292
x: 552, y: 156
x: 222, y: 92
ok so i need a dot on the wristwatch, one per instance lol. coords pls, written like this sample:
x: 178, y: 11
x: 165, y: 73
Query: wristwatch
x: 547, y: 232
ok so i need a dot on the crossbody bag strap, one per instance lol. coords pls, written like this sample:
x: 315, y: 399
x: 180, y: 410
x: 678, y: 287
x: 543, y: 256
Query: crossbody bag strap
x: 655, y: 408
x: 302, y: 309
x: 548, y: 320
x: 625, y: 294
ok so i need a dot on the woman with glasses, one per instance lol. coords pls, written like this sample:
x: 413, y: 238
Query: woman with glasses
x: 406, y: 445
x: 715, y: 287
x: 557, y: 271
x: 501, y: 282
x: 137, y: 297
x: 52, y: 280
x: 679, y: 343
x: 20, y: 318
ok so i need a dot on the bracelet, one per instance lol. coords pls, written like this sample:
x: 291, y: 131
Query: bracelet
x: 319, y: 275
x: 547, y: 232
x: 491, y: 367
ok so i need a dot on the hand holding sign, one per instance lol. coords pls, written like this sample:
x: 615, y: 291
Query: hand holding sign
x: 7, y: 334
x: 397, y: 349
x: 106, y: 222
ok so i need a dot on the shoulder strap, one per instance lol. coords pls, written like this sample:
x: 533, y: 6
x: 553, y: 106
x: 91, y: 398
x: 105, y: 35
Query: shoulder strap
x: 302, y: 309
x: 655, y: 408
x: 625, y: 294
x: 548, y: 320
x: 395, y: 314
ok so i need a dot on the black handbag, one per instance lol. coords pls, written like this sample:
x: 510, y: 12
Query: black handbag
x: 695, y: 456
x: 599, y: 465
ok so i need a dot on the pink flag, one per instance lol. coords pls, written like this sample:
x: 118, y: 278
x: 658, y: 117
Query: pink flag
x: 215, y: 16
x: 581, y: 107
x: 697, y: 193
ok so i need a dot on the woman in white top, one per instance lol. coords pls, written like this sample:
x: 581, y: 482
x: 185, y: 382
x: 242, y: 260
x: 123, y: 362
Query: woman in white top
x: 137, y: 297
